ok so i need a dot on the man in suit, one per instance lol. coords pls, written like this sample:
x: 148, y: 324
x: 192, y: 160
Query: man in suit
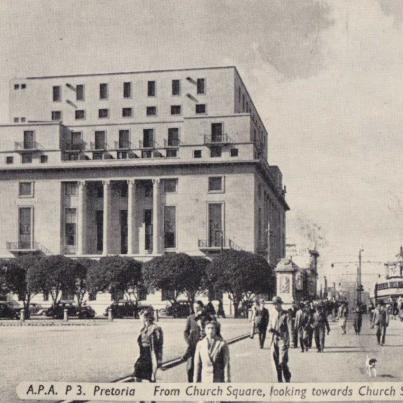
x: 193, y: 333
x: 260, y: 319
x: 381, y: 321
x: 300, y: 323
x: 280, y: 340
x: 320, y: 324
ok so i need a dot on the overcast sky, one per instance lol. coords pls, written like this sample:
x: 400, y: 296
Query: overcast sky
x: 326, y: 77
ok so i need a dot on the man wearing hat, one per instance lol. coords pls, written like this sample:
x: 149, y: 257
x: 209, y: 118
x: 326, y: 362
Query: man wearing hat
x: 280, y: 340
x: 381, y: 321
x: 320, y: 325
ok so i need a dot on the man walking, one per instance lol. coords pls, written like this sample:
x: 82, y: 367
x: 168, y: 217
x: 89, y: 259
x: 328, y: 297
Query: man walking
x: 320, y: 326
x: 280, y: 340
x: 260, y: 319
x: 300, y: 323
x: 381, y: 321
x: 343, y: 315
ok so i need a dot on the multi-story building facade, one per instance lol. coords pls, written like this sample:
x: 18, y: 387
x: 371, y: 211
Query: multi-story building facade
x: 138, y: 163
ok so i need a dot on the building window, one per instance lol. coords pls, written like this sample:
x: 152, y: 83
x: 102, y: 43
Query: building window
x: 100, y: 140
x: 172, y: 153
x: 56, y: 93
x: 26, y: 189
x: 170, y: 185
x: 215, y: 184
x: 103, y: 91
x: 22, y: 119
x: 239, y: 95
x: 148, y: 189
x: 215, y: 152
x: 9, y: 160
x: 124, y: 141
x: 70, y: 188
x: 176, y: 87
x: 56, y: 115
x: 103, y: 113
x: 80, y: 92
x: 148, y: 138
x: 200, y: 108
x: 127, y: 90
x: 79, y: 114
x: 215, y: 225
x: 169, y: 226
x: 16, y: 86
x: 175, y: 109
x: 151, y: 88
x: 201, y: 86
x: 173, y: 137
x: 23, y: 86
x: 44, y: 159
x: 26, y: 158
x: 70, y: 226
x: 16, y: 120
x: 151, y: 110
x: 197, y: 153
x: 127, y: 112
x: 234, y: 152
x: 29, y: 139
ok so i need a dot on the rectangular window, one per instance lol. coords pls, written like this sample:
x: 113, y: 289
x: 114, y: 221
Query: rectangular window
x: 127, y: 112
x: 148, y: 138
x: 56, y: 115
x: 9, y: 160
x: 215, y: 152
x: 26, y: 158
x: 169, y: 226
x: 216, y: 132
x: 197, y: 153
x: 44, y: 159
x: 173, y: 137
x: 239, y: 95
x: 170, y: 185
x: 23, y: 86
x: 56, y: 93
x: 22, y: 119
x: 215, y: 225
x: 176, y: 87
x: 234, y: 152
x: 127, y: 90
x: 124, y: 139
x: 103, y: 113
x: 151, y: 88
x: 28, y: 140
x: 100, y: 140
x: 26, y: 189
x: 16, y: 120
x: 25, y: 227
x: 201, y: 86
x: 200, y: 108
x: 215, y: 184
x: 79, y: 114
x: 70, y: 226
x: 151, y: 110
x: 16, y: 86
x: 80, y: 92
x: 103, y: 91
x: 70, y: 188
x: 172, y: 153
x: 75, y: 141
x: 175, y: 109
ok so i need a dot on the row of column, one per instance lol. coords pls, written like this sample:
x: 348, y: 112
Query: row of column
x: 131, y: 217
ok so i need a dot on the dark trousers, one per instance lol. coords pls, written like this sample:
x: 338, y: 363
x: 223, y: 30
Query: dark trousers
x: 381, y: 333
x: 280, y: 359
x: 357, y: 325
x: 301, y: 338
x: 262, y: 336
x: 294, y: 338
x: 310, y: 337
x: 320, y: 333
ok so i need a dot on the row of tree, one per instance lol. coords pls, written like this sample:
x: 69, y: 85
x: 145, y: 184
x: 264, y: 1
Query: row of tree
x: 240, y: 274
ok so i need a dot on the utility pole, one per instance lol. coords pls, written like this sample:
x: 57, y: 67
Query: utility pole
x: 359, y: 285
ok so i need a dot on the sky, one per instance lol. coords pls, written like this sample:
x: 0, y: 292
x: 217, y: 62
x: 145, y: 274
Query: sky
x: 325, y: 76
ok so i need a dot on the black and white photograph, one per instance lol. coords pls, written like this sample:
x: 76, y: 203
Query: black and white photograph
x: 201, y: 200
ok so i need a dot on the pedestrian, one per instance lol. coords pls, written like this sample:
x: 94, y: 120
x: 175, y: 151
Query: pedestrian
x: 211, y: 359
x: 150, y: 342
x: 300, y: 323
x: 308, y: 329
x: 280, y: 340
x: 381, y: 321
x: 320, y: 326
x: 357, y: 319
x: 343, y: 315
x: 291, y: 323
x: 260, y: 321
x: 194, y: 331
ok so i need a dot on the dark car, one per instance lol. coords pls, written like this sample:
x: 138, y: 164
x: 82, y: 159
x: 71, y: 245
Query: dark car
x: 7, y: 310
x: 126, y: 309
x: 73, y: 310
x: 179, y: 309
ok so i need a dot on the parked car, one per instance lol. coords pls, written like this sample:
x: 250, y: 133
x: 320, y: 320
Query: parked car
x: 8, y: 310
x: 179, y: 309
x: 73, y: 310
x: 126, y: 309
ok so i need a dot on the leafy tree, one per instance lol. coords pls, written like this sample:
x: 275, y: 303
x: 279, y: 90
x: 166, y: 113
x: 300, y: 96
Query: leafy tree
x: 53, y: 275
x: 81, y: 283
x: 178, y: 273
x: 240, y: 274
x: 115, y: 274
x: 13, y: 277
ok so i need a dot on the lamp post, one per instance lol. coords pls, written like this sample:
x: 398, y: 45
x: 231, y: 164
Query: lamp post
x: 359, y: 285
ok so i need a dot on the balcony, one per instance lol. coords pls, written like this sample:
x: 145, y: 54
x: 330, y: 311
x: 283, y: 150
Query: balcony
x: 217, y: 245
x: 74, y: 147
x: 217, y: 139
x: 171, y: 143
x: 98, y: 146
x: 30, y: 147
x: 147, y: 144
x: 122, y: 145
x: 20, y: 248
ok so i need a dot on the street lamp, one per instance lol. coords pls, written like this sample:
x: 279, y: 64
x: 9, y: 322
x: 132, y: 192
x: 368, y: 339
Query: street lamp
x: 359, y: 285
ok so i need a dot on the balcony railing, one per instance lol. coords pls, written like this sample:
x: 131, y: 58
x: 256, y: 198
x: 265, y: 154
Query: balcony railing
x: 74, y: 147
x: 147, y: 144
x: 123, y: 145
x: 217, y: 139
x: 172, y: 143
x: 29, y: 147
x: 216, y: 244
x: 97, y: 147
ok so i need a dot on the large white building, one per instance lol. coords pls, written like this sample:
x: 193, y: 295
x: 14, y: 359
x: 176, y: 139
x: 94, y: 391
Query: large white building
x: 138, y: 163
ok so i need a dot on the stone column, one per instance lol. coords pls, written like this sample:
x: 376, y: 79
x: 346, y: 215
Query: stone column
x: 81, y: 219
x: 156, y: 216
x: 131, y: 216
x: 107, y: 215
